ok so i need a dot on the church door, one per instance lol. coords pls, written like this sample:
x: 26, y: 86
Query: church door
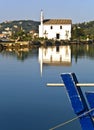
x: 57, y: 36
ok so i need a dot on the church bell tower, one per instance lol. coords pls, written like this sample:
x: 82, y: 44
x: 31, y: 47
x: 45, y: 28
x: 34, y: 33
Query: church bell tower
x: 41, y: 24
x: 41, y: 17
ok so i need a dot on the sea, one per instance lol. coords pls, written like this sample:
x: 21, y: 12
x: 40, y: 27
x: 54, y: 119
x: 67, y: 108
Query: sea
x: 26, y: 102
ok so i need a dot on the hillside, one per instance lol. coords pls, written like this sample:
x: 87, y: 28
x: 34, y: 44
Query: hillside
x: 26, y: 25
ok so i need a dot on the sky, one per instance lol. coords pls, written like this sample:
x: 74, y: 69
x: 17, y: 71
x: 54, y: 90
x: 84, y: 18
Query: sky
x: 77, y: 10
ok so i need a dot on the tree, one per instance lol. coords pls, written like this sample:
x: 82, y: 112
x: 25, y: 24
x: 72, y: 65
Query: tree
x: 77, y: 33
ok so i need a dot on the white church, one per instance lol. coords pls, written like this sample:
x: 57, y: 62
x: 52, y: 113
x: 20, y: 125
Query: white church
x: 57, y: 29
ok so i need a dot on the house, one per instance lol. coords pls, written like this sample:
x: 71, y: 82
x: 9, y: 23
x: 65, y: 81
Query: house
x: 57, y: 29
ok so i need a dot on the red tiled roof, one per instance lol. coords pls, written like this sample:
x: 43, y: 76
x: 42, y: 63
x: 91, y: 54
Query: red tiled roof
x: 57, y: 21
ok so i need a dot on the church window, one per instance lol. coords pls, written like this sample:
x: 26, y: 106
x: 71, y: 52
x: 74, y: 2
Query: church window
x: 60, y: 27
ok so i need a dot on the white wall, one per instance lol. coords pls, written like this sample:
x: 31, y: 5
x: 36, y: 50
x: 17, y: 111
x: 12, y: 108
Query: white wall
x: 46, y: 31
x: 41, y: 31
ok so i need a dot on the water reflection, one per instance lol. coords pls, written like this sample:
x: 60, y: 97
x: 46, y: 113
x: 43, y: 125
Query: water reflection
x: 21, y: 53
x: 52, y: 55
x: 56, y: 55
x: 80, y: 51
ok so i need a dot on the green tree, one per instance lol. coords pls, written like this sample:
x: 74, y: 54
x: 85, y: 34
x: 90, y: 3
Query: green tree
x: 77, y: 33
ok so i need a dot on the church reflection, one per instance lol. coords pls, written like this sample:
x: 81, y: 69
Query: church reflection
x: 56, y: 55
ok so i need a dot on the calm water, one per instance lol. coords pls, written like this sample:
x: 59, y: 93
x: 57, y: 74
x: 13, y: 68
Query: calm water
x: 26, y: 103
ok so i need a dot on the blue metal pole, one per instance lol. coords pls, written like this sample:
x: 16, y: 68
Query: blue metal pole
x: 77, y: 100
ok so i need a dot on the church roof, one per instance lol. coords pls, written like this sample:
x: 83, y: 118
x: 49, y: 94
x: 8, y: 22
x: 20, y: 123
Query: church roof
x: 57, y: 21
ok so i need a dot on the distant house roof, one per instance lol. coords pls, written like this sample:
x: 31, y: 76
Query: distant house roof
x: 57, y: 21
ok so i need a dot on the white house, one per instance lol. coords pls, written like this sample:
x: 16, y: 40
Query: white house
x: 58, y: 29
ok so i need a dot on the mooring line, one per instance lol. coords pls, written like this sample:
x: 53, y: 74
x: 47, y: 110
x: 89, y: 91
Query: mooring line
x: 71, y: 120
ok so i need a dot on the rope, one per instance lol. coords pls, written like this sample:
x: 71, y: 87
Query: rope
x: 71, y: 120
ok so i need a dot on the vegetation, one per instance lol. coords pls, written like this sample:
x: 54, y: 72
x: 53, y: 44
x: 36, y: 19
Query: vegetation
x: 83, y: 31
x: 21, y: 35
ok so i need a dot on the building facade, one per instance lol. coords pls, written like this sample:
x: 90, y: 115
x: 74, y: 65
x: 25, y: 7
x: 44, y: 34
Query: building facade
x: 57, y: 29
